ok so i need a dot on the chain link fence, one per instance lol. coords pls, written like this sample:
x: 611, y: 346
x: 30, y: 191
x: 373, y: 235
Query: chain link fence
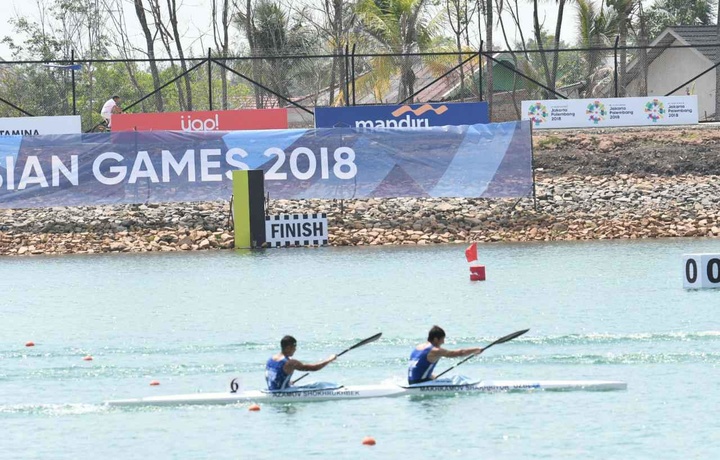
x: 301, y: 83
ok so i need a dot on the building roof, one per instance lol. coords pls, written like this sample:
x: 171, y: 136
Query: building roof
x: 698, y: 37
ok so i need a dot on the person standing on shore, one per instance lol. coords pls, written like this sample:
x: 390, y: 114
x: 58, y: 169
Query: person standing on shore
x: 280, y: 367
x: 426, y: 355
x: 109, y: 108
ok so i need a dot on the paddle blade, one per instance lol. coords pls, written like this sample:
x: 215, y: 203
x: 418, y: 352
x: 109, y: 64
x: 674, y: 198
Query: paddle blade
x: 361, y: 343
x: 507, y: 338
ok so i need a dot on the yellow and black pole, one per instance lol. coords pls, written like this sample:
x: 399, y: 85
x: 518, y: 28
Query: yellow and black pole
x: 249, y: 208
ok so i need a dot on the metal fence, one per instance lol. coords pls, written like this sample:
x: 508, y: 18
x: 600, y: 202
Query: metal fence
x: 77, y: 86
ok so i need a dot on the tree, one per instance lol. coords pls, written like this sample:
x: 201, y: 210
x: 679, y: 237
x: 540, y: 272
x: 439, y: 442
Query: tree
x: 596, y: 26
x: 459, y: 13
x: 150, y: 44
x: 668, y: 13
x: 399, y: 26
x: 624, y: 10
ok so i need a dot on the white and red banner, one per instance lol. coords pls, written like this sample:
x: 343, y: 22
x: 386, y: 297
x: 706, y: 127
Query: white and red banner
x: 217, y: 120
x: 39, y: 126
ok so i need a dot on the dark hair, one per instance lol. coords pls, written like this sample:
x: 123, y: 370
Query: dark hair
x: 287, y: 341
x: 436, y: 332
x: 116, y: 97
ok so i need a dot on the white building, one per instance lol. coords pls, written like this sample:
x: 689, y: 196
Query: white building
x: 670, y: 68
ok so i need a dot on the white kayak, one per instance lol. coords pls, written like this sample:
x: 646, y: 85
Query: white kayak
x: 372, y: 391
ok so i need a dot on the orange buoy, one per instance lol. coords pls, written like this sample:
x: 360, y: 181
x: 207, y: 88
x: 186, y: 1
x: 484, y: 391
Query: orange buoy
x: 88, y: 358
x: 368, y: 441
x: 154, y: 383
x: 254, y: 407
x: 29, y: 344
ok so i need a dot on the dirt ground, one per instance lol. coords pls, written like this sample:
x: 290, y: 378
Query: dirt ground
x: 640, y: 151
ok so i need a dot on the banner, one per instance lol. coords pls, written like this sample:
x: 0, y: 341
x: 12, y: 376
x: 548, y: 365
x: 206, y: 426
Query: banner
x: 402, y: 116
x: 38, y: 126
x: 607, y: 112
x: 218, y: 120
x: 491, y: 160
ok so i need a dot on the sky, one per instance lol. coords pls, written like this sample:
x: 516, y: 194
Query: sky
x: 195, y: 20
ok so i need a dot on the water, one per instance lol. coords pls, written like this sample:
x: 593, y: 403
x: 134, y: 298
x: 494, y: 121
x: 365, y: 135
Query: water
x: 597, y: 310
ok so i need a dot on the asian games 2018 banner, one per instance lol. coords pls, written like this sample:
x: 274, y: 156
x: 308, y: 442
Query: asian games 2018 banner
x: 483, y: 160
x: 607, y: 112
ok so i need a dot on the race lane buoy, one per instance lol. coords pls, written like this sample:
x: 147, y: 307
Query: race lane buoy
x: 254, y: 407
x: 154, y: 383
x: 368, y: 441
x: 477, y: 271
x: 29, y: 344
x: 87, y: 358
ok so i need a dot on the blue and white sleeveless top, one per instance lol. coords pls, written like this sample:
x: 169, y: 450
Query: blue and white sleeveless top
x: 420, y: 368
x: 275, y: 376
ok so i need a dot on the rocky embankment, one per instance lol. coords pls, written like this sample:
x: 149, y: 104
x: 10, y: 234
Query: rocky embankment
x: 589, y: 185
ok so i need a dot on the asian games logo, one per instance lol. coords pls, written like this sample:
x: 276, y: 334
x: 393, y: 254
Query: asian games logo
x: 596, y: 112
x: 655, y: 110
x: 538, y: 113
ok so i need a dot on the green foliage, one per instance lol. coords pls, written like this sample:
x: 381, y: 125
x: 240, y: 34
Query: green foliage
x: 668, y: 13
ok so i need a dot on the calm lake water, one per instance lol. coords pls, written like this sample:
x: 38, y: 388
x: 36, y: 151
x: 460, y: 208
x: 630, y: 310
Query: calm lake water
x: 596, y: 310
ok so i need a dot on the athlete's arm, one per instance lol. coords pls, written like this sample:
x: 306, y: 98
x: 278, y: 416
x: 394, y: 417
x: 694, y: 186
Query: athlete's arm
x: 295, y: 365
x: 437, y: 353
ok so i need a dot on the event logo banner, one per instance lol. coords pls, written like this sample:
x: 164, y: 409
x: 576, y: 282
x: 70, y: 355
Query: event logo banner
x: 492, y: 160
x: 402, y: 116
x: 218, y: 120
x: 607, y: 112
x: 38, y: 126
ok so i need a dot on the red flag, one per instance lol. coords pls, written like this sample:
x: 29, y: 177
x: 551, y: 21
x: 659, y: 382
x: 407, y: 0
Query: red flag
x: 471, y: 253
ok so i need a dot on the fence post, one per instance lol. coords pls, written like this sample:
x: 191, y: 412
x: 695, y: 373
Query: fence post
x: 72, y: 70
x: 347, y: 75
x: 352, y: 66
x: 617, y: 39
x: 480, y: 70
x: 210, y: 92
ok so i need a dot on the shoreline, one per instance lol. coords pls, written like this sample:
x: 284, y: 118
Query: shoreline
x: 610, y: 183
x: 622, y: 206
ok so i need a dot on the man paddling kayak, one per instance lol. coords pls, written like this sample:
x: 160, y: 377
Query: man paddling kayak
x: 426, y: 355
x: 280, y: 367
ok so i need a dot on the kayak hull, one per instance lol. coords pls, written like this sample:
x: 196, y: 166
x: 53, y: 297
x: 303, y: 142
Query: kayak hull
x: 348, y: 392
x: 373, y: 391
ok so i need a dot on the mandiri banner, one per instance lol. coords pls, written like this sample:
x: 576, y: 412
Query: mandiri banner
x: 217, y: 120
x: 608, y: 112
x: 38, y: 126
x: 492, y: 160
x: 402, y: 116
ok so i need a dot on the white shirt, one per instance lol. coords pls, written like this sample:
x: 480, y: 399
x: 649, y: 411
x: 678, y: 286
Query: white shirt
x: 107, y: 108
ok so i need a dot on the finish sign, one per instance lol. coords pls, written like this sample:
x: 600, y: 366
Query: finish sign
x: 296, y: 230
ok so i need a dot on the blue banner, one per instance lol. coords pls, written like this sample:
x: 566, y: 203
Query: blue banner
x: 402, y: 116
x: 493, y: 160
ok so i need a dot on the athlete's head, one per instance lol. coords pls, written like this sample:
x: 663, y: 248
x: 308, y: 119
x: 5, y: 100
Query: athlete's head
x: 288, y: 344
x: 436, y: 333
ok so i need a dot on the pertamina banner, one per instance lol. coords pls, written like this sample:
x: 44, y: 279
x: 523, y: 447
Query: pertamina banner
x: 217, y: 120
x: 402, y: 116
x: 39, y: 126
x: 608, y: 112
x: 483, y: 160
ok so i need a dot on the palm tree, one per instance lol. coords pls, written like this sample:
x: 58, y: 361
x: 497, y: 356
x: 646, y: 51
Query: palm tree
x: 596, y: 26
x: 624, y: 10
x: 398, y: 26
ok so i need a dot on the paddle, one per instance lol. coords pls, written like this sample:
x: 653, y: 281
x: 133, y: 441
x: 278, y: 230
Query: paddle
x: 359, y: 344
x: 507, y: 338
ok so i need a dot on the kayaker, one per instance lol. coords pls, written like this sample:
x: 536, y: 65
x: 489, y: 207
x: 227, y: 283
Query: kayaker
x: 426, y: 355
x: 280, y: 367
